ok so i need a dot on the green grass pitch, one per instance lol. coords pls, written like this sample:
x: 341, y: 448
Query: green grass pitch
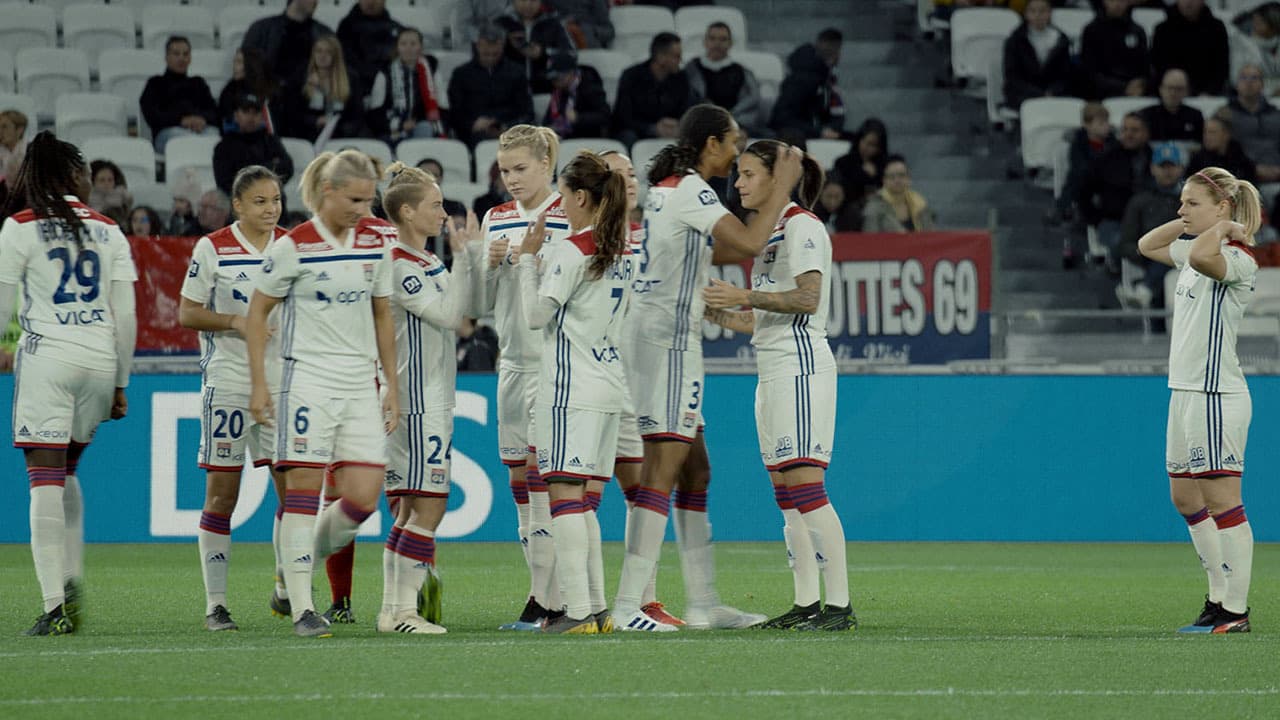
x: 948, y: 630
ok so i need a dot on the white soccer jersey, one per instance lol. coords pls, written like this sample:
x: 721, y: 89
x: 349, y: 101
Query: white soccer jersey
x: 1206, y: 318
x: 581, y: 367
x: 676, y: 264
x: 518, y: 347
x: 328, y: 285
x: 789, y: 344
x: 426, y: 354
x: 66, y: 285
x: 224, y: 271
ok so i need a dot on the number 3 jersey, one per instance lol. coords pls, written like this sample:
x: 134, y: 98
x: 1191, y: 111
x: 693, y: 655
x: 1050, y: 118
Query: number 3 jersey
x: 791, y: 344
x: 66, y: 284
x: 224, y: 270
x: 328, y: 285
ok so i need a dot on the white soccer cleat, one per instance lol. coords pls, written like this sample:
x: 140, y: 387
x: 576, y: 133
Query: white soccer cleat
x: 721, y: 617
x: 407, y: 623
x: 639, y: 622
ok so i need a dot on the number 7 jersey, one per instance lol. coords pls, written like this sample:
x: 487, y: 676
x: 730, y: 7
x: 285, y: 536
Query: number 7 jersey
x: 66, y: 285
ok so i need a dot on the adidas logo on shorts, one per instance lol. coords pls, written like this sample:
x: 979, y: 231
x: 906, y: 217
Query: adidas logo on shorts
x: 323, y: 275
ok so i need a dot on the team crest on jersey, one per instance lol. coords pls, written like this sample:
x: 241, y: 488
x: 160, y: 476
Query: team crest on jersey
x: 544, y: 456
x: 368, y: 272
x: 785, y: 447
x: 771, y: 255
x: 268, y: 265
x: 437, y: 477
x: 299, y: 445
x: 690, y: 419
x: 194, y: 270
x: 411, y: 285
x: 224, y: 450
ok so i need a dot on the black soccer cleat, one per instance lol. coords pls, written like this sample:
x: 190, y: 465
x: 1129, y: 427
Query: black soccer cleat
x: 312, y: 625
x: 832, y: 619
x: 797, y: 615
x: 220, y: 619
x: 54, y: 622
x: 531, y: 619
x: 280, y: 607
x: 1205, y: 622
x: 1229, y: 622
x: 340, y: 612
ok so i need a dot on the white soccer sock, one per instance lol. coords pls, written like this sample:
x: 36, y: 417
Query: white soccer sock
x: 646, y: 526
x: 650, y: 593
x: 800, y: 556
x: 214, y: 541
x: 595, y: 562
x: 1236, y: 536
x: 281, y: 591
x: 697, y: 555
x: 48, y: 524
x: 1206, y: 540
x: 298, y: 547
x: 337, y: 525
x: 830, y: 544
x: 389, y: 571
x: 415, y: 552
x: 542, y: 552
x: 73, y: 514
x: 572, y: 555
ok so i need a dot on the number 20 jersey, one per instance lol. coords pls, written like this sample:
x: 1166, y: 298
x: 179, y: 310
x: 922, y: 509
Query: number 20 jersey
x: 66, y: 286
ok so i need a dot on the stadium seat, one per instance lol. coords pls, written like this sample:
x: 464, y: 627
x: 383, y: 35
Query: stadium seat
x: 161, y: 21
x: 45, y: 73
x: 569, y: 148
x: 1061, y: 166
x: 641, y: 155
x: 1148, y: 19
x: 134, y: 155
x: 189, y: 158
x: 446, y: 62
x: 6, y: 72
x: 373, y: 148
x: 976, y: 33
x: 485, y: 154
x: 24, y: 105
x: 94, y: 27
x: 1071, y: 21
x: 27, y: 26
x: 768, y: 69
x: 635, y: 25
x: 234, y: 20
x: 124, y: 72
x: 826, y: 152
x: 541, y: 101
x: 152, y: 195
x: 610, y: 64
x: 331, y: 14
x: 465, y: 192
x: 212, y: 65
x: 1208, y: 105
x: 452, y: 155
x: 1122, y: 105
x: 1044, y: 122
x: 435, y: 22
x: 301, y: 152
x: 79, y: 116
x: 692, y: 21
x: 998, y: 113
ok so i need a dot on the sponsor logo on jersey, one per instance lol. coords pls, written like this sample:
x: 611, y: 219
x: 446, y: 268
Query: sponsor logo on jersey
x: 575, y: 462
x: 224, y: 450
x: 321, y: 297
x: 437, y: 477
x: 784, y: 447
x: 605, y: 354
x: 1197, y: 457
x: 24, y: 432
x: 368, y: 272
x: 393, y: 477
x: 268, y: 265
x: 80, y: 317
x: 411, y: 285
x: 242, y: 277
x: 322, y: 276
x: 771, y: 255
x: 644, y: 422
x: 1231, y: 460
x: 299, y: 445
x: 644, y: 286
x: 194, y: 270
x: 237, y: 295
x: 708, y: 197
x: 544, y: 456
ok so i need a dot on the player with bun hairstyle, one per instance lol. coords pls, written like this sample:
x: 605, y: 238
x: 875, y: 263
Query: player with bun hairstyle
x: 225, y: 265
x: 526, y: 160
x: 796, y: 394
x: 428, y: 304
x: 1211, y: 245
x: 68, y: 376
x: 577, y: 302
x: 333, y: 276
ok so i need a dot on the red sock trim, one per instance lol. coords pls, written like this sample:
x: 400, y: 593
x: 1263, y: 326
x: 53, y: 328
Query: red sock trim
x: 302, y: 502
x: 1197, y: 517
x: 560, y: 508
x: 520, y: 491
x: 393, y: 537
x: 416, y: 547
x: 1231, y: 518
x: 592, y: 499
x: 693, y: 501
x: 47, y: 477
x: 215, y: 523
x: 808, y: 498
x: 534, y: 481
x: 653, y: 500
x: 783, y: 497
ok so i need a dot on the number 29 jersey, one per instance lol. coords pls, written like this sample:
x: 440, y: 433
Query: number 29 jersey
x: 66, y: 285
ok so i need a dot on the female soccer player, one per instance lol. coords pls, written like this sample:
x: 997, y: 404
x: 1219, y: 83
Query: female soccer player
x: 578, y: 303
x: 225, y: 266
x: 526, y: 159
x: 687, y: 227
x: 74, y: 355
x: 796, y: 395
x: 333, y: 275
x: 1209, y: 406
x: 428, y: 304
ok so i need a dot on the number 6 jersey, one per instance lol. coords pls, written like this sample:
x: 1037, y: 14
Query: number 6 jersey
x: 66, y: 284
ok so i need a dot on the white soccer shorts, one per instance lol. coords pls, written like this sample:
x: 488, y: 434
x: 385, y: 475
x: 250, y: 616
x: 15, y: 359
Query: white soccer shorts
x: 516, y: 394
x: 228, y: 432
x: 796, y: 420
x: 1207, y: 433
x: 316, y: 431
x: 575, y: 444
x: 55, y: 404
x: 419, y: 453
x: 667, y: 387
x: 630, y: 446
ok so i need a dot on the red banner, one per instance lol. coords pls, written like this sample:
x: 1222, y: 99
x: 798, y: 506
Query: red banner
x: 162, y: 266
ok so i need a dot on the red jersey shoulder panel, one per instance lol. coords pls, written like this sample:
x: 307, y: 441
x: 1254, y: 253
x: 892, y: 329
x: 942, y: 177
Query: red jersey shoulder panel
x: 585, y: 242
x: 225, y: 243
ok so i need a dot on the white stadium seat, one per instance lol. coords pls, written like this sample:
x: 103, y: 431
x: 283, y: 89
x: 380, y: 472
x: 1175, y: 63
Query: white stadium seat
x: 134, y: 156
x: 1072, y: 21
x: 234, y: 20
x: 79, y: 116
x: 635, y: 25
x: 24, y: 105
x: 46, y: 73
x: 301, y: 152
x: 23, y: 25
x: 94, y: 27
x: 153, y: 195
x: 161, y: 21
x: 1208, y: 105
x: 6, y: 72
x: 692, y: 21
x: 642, y: 153
x: 769, y: 72
x: 1044, y: 122
x: 1149, y: 18
x: 212, y: 65
x: 124, y: 72
x: 187, y: 159
x: 465, y: 192
x: 569, y: 148
x: 541, y: 101
x: 452, y: 155
x: 432, y: 19
x: 1122, y: 105
x: 976, y: 33
x: 485, y: 154
x: 373, y: 148
x: 446, y: 62
x: 827, y: 151
x: 609, y: 64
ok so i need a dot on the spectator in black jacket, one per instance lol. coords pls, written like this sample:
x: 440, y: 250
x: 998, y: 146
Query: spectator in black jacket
x: 1172, y: 119
x: 490, y: 93
x: 1221, y: 150
x: 652, y: 95
x: 285, y: 42
x: 1113, y: 179
x: 248, y: 77
x: 176, y: 103
x: 1114, y: 59
x: 535, y: 35
x: 329, y: 96
x: 368, y: 35
x: 1194, y: 40
x: 717, y: 79
x: 1255, y: 123
x: 808, y: 104
x: 578, y: 107
x: 1037, y: 57
x: 1090, y: 141
x: 250, y: 144
x: 1150, y: 207
x: 861, y: 171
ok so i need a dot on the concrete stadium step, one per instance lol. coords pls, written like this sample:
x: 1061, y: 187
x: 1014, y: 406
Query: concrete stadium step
x: 1057, y: 282
x: 970, y: 191
x: 950, y: 167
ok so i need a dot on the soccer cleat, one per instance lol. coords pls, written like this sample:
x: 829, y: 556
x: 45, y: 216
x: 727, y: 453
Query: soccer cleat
x: 656, y: 611
x: 797, y: 615
x: 407, y: 623
x: 1229, y: 622
x: 340, y: 612
x: 1204, y: 623
x: 220, y: 619
x: 604, y: 621
x: 531, y: 619
x: 53, y: 622
x: 565, y: 625
x: 640, y: 622
x: 281, y: 607
x: 73, y: 601
x: 429, y: 596
x: 831, y: 619
x: 721, y: 617
x: 312, y: 625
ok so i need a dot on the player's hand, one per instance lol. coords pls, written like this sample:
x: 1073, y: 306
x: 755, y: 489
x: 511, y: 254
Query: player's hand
x: 119, y: 405
x: 534, y: 236
x: 721, y: 295
x: 787, y: 170
x: 459, y: 238
x: 390, y: 412
x: 1232, y: 231
x: 260, y: 406
x: 498, y: 250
